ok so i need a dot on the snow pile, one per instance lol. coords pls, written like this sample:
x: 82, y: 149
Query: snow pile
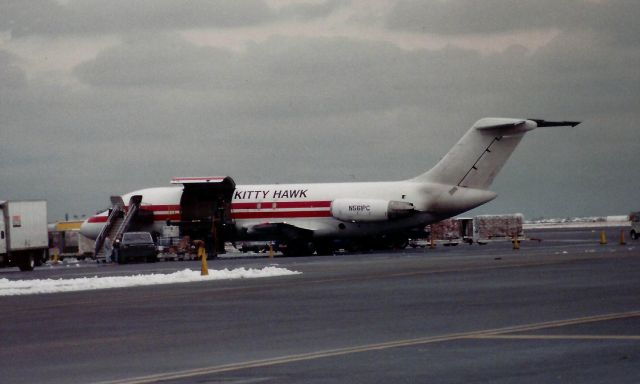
x: 579, y: 222
x: 28, y: 287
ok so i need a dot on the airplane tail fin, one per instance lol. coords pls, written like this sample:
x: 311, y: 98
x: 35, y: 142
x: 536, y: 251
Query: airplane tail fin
x: 480, y: 154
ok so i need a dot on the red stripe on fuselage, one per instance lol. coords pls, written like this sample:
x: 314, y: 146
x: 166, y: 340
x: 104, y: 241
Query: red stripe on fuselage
x: 165, y: 217
x: 97, y: 219
x: 281, y: 205
x: 167, y: 207
x: 270, y: 211
x: 279, y: 214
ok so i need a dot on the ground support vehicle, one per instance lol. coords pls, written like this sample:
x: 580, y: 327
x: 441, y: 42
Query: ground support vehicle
x: 24, y: 242
x: 66, y: 241
x: 176, y: 248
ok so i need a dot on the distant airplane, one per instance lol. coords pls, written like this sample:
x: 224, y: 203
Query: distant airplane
x: 316, y: 217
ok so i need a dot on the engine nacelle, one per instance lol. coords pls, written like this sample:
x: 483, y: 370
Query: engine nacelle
x: 359, y: 210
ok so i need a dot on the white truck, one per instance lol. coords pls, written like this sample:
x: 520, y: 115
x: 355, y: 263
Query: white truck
x: 24, y: 242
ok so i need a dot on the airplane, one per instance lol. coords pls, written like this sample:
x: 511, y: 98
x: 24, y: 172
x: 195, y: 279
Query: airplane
x: 315, y: 217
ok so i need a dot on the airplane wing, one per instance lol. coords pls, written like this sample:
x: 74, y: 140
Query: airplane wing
x: 278, y: 231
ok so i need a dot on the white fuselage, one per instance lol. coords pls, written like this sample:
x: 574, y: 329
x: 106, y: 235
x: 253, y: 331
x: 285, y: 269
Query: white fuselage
x: 309, y: 206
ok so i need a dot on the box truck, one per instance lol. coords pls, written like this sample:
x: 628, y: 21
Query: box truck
x: 24, y: 242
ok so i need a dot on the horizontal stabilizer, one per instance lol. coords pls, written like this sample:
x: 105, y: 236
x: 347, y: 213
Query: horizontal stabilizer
x: 544, y: 123
x: 492, y: 123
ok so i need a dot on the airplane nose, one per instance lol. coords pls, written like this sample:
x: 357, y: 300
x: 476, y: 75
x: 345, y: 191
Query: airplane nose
x: 90, y: 228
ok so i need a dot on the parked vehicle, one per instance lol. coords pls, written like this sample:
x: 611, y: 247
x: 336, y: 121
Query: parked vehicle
x: 24, y: 242
x: 418, y: 243
x: 136, y: 246
x: 253, y: 246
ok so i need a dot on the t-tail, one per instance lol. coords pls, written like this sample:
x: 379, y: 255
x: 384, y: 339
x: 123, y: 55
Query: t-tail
x: 481, y: 153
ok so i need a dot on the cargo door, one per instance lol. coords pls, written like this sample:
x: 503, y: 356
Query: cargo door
x: 205, y: 208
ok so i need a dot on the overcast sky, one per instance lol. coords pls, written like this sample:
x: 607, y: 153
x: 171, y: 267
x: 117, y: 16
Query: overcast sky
x: 104, y: 97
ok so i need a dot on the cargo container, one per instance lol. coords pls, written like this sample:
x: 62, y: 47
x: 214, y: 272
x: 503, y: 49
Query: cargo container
x: 447, y: 231
x: 480, y: 229
x: 497, y: 227
x: 24, y: 241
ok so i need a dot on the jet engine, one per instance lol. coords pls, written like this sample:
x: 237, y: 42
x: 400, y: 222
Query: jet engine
x: 366, y: 210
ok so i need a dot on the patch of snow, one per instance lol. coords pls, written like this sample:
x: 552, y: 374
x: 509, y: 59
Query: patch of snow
x: 578, y: 222
x: 29, y: 287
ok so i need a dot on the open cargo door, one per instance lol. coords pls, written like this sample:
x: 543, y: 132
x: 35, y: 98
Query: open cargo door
x: 206, y: 210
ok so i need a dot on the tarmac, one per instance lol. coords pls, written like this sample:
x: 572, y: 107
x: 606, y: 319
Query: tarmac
x: 562, y: 309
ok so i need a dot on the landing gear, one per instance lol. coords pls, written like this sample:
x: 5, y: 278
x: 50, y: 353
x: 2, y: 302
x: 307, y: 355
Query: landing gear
x: 324, y: 248
x: 298, y: 248
x: 389, y: 242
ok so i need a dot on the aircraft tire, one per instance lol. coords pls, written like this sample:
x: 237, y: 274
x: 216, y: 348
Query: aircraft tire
x: 324, y: 248
x: 400, y: 243
x: 298, y: 248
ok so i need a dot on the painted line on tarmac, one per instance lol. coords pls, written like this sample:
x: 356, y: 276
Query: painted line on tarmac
x: 564, y: 323
x: 560, y: 337
x: 371, y: 347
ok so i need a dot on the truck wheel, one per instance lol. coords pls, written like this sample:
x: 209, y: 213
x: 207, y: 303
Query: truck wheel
x: 42, y: 258
x: 27, y: 263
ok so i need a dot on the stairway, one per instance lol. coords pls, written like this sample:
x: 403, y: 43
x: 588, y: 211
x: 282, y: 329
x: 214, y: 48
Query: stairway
x: 118, y: 222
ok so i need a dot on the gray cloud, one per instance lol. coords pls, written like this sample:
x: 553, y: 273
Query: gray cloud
x: 11, y: 75
x: 42, y: 17
x: 157, y: 61
x: 304, y: 11
x: 613, y: 19
x: 491, y: 16
x: 93, y: 17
